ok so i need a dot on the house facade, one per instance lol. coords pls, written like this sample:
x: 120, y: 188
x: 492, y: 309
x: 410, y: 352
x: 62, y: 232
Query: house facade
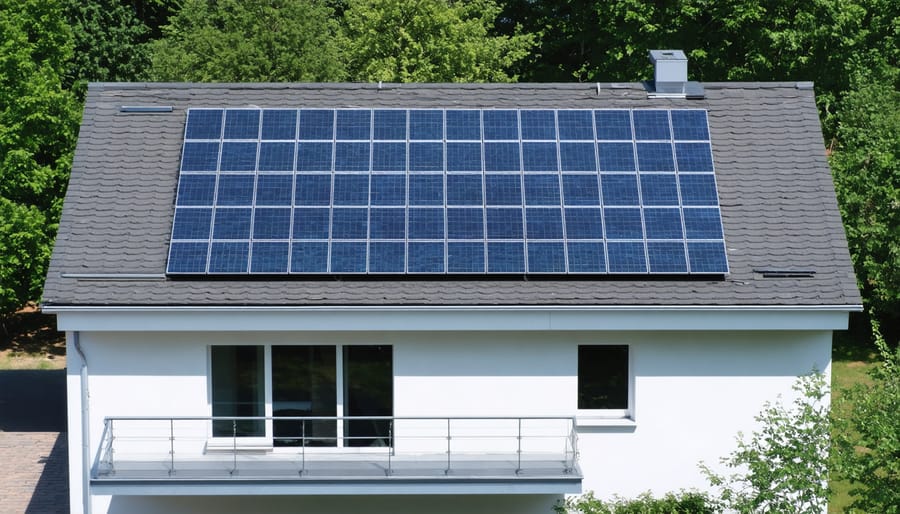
x: 209, y: 372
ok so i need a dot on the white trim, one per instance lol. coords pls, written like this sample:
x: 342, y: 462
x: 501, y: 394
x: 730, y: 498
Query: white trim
x: 461, y: 318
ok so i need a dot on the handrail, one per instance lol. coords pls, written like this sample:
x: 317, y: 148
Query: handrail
x: 180, y: 441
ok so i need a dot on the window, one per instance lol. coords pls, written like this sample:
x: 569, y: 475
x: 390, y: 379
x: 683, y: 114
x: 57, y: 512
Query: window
x: 603, y: 377
x: 237, y: 390
x: 305, y: 382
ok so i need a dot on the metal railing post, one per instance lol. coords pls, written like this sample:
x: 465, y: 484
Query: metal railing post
x: 302, y: 446
x: 233, y: 446
x: 519, y: 449
x: 171, y: 446
x: 111, y: 450
x: 447, y: 471
x: 390, y: 447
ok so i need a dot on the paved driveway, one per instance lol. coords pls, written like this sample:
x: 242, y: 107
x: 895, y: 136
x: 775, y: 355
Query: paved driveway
x: 33, y: 458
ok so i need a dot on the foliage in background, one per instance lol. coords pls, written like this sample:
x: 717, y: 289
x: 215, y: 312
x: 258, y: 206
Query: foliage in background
x: 430, y: 41
x: 819, y: 40
x: 866, y: 167
x: 109, y: 43
x: 38, y: 126
x: 685, y: 502
x: 866, y: 447
x: 249, y: 41
x: 783, y: 467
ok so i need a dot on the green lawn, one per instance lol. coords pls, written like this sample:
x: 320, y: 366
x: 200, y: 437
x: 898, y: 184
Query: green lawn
x: 851, y: 361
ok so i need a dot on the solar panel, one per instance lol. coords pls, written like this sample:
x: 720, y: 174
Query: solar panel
x: 447, y: 191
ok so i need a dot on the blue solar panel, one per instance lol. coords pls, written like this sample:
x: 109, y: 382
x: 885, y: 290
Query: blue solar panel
x: 275, y: 191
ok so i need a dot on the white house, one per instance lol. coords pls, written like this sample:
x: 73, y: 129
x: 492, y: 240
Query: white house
x: 438, y: 298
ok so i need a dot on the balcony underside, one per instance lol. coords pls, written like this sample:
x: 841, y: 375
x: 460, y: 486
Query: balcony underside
x: 265, y: 475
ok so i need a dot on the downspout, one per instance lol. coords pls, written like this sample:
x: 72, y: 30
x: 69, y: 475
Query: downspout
x: 85, y: 427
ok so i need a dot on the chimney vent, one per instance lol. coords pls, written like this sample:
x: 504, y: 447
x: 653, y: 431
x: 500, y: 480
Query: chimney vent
x: 670, y: 75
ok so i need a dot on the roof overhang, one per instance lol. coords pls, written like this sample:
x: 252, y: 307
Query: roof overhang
x: 449, y: 318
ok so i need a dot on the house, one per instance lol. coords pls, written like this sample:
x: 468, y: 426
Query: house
x: 435, y: 297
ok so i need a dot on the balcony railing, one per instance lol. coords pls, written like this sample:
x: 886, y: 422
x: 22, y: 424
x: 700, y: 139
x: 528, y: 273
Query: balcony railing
x: 330, y: 448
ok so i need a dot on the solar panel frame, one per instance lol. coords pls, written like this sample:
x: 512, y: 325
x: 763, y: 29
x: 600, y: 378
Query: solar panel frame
x: 472, y: 182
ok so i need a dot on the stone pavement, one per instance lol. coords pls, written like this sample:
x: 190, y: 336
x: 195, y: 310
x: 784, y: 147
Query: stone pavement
x: 33, y: 455
x: 33, y: 473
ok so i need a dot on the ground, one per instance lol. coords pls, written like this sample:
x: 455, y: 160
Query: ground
x: 29, y: 340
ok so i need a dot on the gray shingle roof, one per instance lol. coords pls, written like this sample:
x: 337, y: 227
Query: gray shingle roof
x: 777, y: 199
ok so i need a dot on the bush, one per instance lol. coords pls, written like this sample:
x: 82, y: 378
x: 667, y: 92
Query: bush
x: 684, y: 502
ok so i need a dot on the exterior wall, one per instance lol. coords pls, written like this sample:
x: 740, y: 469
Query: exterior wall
x: 692, y: 393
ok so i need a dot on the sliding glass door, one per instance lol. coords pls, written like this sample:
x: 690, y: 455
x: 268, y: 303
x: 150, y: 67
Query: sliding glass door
x: 368, y: 391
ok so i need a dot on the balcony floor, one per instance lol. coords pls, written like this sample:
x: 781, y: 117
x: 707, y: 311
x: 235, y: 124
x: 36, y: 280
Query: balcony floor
x: 363, y: 474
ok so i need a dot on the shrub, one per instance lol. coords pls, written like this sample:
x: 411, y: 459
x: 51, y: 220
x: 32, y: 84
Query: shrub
x: 684, y: 502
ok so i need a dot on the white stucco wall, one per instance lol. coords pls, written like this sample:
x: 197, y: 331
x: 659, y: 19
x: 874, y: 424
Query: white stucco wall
x: 692, y: 393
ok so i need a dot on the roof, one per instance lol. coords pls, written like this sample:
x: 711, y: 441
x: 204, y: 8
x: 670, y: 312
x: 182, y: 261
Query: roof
x: 777, y: 200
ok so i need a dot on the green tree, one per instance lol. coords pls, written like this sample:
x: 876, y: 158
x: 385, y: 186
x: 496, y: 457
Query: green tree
x: 866, y: 167
x: 109, y: 42
x: 249, y: 41
x: 867, y: 435
x: 783, y: 467
x: 430, y: 41
x: 38, y: 125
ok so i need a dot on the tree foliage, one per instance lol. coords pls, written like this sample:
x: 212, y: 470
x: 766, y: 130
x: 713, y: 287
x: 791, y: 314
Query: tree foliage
x: 430, y: 41
x: 671, y: 503
x: 108, y: 42
x: 249, y: 41
x: 38, y: 125
x: 867, y: 435
x: 866, y: 167
x: 783, y: 467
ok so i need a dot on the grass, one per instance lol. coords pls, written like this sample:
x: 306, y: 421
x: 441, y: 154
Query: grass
x: 852, y: 359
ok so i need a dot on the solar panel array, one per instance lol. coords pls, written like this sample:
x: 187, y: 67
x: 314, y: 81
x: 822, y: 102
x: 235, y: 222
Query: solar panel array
x: 455, y: 191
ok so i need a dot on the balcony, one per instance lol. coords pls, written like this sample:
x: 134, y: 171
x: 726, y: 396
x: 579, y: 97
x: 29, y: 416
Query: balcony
x: 333, y: 455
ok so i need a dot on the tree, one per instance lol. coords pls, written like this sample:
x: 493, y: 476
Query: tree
x: 867, y: 435
x: 109, y: 42
x: 866, y: 168
x: 249, y: 41
x: 430, y: 41
x: 783, y: 467
x: 38, y: 125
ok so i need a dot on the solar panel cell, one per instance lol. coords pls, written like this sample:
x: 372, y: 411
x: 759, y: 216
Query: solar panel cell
x: 504, y: 223
x: 693, y: 157
x: 501, y: 157
x: 666, y: 257
x: 542, y: 190
x: 584, y: 223
x: 387, y: 257
x: 348, y: 257
x: 697, y: 189
x: 316, y: 124
x: 279, y: 124
x: 463, y: 156
x: 269, y: 257
x: 503, y: 189
x: 506, y: 257
x: 274, y: 189
x: 204, y: 124
x: 463, y: 125
x: 575, y: 125
x: 309, y: 257
x: 545, y: 257
x: 313, y: 190
x: 426, y: 190
x: 581, y: 190
x: 241, y: 124
x: 192, y: 223
x: 235, y: 190
x: 702, y: 223
x: 707, y: 257
x: 586, y: 257
x: 232, y: 223
x: 311, y: 223
x: 185, y: 257
x: 543, y: 223
x: 577, y: 157
x: 196, y: 190
x: 659, y: 189
x: 464, y: 190
x: 426, y: 257
x: 389, y: 157
x: 539, y: 157
x: 663, y: 223
x: 351, y: 190
x: 426, y: 157
x: 620, y: 190
x: 425, y: 223
x: 427, y: 124
x: 465, y: 223
x: 314, y: 156
x: 272, y: 223
x: 229, y: 257
x: 353, y: 124
x: 390, y: 124
x: 613, y: 125
x: 690, y: 125
x: 616, y: 156
x: 500, y: 125
x: 276, y: 156
x: 349, y: 223
x: 200, y: 156
x: 465, y: 257
x: 538, y: 125
x: 623, y: 223
x: 238, y: 157
x: 387, y: 223
x: 651, y: 124
x: 351, y: 156
x: 626, y: 257
x: 388, y: 190
x: 655, y: 157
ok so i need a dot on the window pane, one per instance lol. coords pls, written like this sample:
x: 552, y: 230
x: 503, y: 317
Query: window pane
x: 304, y: 384
x: 237, y: 390
x: 368, y: 391
x: 603, y: 377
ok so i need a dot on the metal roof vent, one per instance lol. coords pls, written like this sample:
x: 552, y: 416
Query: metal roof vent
x: 670, y: 76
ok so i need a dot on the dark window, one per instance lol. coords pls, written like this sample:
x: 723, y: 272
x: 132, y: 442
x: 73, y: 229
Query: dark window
x: 303, y: 384
x: 368, y: 391
x: 603, y: 377
x: 238, y: 390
